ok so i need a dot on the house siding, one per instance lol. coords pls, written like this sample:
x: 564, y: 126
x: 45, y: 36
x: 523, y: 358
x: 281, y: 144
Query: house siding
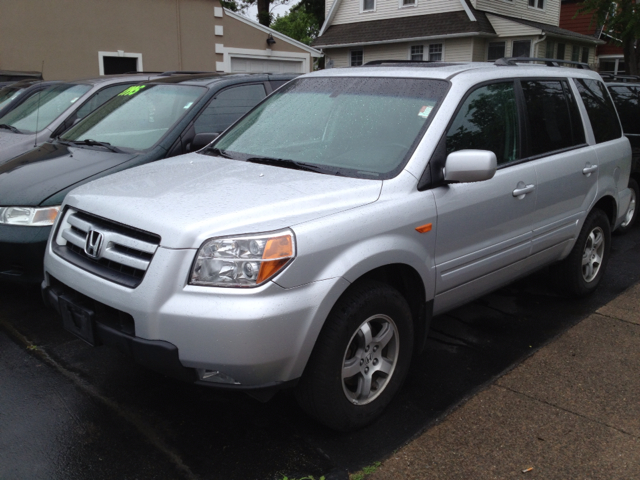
x: 454, y: 50
x: 520, y: 9
x: 349, y: 11
x: 507, y: 28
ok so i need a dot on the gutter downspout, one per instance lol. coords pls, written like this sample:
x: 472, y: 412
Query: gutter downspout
x: 179, y: 31
x: 536, y: 42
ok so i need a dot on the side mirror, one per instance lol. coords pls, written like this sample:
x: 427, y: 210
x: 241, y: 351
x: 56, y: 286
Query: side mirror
x: 470, y: 166
x: 201, y: 140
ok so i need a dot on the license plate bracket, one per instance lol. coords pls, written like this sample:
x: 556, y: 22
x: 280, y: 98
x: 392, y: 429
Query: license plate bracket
x: 78, y: 320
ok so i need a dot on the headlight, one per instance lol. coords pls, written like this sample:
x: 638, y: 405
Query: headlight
x: 246, y: 261
x: 28, y: 216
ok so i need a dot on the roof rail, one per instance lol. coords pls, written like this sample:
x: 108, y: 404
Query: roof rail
x: 421, y: 63
x: 180, y: 72
x: 610, y: 77
x: 549, y: 62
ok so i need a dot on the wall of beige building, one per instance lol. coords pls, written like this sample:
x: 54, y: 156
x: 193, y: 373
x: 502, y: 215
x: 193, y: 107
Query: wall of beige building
x: 164, y: 34
x: 170, y: 35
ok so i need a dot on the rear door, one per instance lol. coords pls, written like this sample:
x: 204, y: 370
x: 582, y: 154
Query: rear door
x: 567, y: 168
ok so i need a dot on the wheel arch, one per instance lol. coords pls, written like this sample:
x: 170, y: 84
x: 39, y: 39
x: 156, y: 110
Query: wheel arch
x: 409, y: 283
x: 609, y: 206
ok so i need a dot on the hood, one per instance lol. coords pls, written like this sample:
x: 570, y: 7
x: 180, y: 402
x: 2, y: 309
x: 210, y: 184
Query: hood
x: 32, y: 177
x: 190, y: 198
x: 13, y: 144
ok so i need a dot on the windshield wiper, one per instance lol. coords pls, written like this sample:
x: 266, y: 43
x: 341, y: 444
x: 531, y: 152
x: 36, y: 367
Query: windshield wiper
x: 95, y: 143
x: 285, y: 163
x: 217, y: 151
x: 10, y: 128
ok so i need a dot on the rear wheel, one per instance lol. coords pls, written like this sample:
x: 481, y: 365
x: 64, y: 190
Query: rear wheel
x: 632, y: 211
x: 360, y: 359
x: 581, y: 272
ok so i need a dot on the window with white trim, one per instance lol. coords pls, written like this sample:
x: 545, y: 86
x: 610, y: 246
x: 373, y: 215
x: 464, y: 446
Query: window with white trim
x: 435, y: 52
x: 537, y: 4
x: 408, y: 3
x: 496, y: 50
x: 417, y: 53
x: 521, y: 48
x: 368, y: 5
x: 356, y: 57
x: 575, y: 53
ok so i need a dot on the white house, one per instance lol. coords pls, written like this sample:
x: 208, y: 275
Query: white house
x: 359, y: 31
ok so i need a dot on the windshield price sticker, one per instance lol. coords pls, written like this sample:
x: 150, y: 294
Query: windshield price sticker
x: 131, y: 90
x: 425, y: 111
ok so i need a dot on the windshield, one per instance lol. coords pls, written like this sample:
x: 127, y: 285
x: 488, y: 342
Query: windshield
x: 360, y: 127
x: 7, y: 94
x: 138, y: 117
x: 42, y: 108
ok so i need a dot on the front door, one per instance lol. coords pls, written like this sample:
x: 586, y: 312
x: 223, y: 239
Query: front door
x: 486, y: 226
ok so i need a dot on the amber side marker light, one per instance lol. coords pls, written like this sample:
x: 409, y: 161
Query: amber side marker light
x: 424, y: 228
x: 277, y: 253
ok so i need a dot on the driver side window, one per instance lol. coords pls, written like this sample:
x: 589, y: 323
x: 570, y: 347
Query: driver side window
x: 488, y: 120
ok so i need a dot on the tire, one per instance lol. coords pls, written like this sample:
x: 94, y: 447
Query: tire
x: 632, y: 211
x: 581, y: 272
x: 360, y: 359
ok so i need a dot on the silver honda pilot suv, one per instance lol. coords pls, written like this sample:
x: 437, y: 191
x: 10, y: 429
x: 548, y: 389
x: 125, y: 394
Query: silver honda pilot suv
x: 312, y: 242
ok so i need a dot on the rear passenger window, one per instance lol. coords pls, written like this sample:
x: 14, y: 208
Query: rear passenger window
x: 600, y: 110
x: 553, y: 124
x: 627, y: 101
x: 487, y: 120
x: 228, y: 106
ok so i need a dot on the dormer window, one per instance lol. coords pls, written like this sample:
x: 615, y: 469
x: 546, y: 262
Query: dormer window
x: 368, y: 5
x: 537, y: 4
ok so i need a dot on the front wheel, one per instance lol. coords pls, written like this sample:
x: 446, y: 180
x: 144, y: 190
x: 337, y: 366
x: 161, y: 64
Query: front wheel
x: 632, y: 212
x: 581, y: 272
x: 360, y: 359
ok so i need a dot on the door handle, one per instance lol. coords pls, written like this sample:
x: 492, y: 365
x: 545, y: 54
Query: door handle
x: 589, y: 169
x: 523, y: 189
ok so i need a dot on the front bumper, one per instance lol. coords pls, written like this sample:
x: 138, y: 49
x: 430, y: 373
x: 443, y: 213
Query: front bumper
x: 21, y: 253
x: 253, y: 337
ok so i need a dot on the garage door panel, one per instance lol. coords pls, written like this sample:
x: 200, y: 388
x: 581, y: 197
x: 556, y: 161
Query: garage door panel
x: 267, y: 65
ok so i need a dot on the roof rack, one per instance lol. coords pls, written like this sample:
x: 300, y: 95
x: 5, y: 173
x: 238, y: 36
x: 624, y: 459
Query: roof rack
x: 549, y: 62
x: 610, y: 77
x: 421, y: 63
x: 181, y: 72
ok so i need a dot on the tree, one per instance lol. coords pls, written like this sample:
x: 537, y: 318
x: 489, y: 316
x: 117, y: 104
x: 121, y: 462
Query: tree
x: 298, y: 24
x: 621, y: 21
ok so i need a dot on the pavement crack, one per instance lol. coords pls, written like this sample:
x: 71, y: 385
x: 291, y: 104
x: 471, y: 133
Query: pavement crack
x: 145, y: 430
x: 616, y: 318
x: 577, y: 414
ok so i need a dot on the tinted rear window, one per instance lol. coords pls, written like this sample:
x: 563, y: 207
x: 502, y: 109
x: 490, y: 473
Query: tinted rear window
x: 600, y: 110
x: 551, y: 123
x: 627, y: 101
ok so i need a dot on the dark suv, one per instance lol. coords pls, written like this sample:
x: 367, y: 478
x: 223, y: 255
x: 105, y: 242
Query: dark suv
x: 625, y: 91
x: 144, y: 123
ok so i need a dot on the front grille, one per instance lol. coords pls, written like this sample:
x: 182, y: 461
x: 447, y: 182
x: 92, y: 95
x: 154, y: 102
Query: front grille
x: 122, y: 254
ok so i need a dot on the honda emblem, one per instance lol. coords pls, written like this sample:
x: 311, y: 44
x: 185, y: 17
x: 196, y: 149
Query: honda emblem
x: 93, y: 244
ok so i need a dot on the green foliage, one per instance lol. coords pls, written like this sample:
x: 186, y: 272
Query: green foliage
x: 621, y: 20
x: 366, y: 471
x: 298, y: 24
x: 230, y: 5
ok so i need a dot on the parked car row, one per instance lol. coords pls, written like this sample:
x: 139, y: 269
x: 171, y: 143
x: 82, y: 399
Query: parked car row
x: 310, y: 244
x: 166, y: 115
